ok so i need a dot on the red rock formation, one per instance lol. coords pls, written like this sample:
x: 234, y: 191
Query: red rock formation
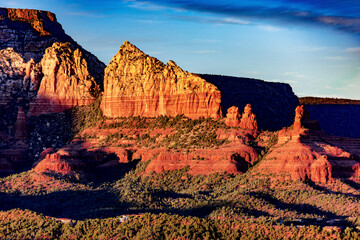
x: 66, y: 82
x: 20, y: 125
x: 302, y: 154
x: 140, y: 85
x: 59, y: 162
x: 205, y: 161
x: 248, y: 119
x: 302, y: 120
x: 233, y: 117
x: 297, y: 161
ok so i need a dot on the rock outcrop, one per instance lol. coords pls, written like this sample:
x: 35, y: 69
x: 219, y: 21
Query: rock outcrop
x: 205, y: 161
x: 66, y: 81
x: 273, y: 103
x: 302, y: 153
x: 139, y: 85
x: 302, y: 120
x: 233, y: 117
x: 248, y: 119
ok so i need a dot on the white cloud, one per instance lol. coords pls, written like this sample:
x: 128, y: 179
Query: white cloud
x: 235, y: 21
x: 296, y: 75
x: 205, y: 51
x: 270, y: 28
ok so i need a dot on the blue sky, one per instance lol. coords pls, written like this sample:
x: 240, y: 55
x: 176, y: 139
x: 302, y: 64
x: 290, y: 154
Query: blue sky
x: 312, y: 45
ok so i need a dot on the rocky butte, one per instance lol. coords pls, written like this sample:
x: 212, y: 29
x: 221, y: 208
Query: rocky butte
x: 139, y: 85
x: 304, y: 153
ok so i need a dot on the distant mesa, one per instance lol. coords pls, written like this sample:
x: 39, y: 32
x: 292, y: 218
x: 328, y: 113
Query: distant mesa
x: 136, y: 84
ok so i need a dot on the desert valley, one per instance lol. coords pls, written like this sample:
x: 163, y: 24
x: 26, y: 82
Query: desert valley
x: 141, y: 149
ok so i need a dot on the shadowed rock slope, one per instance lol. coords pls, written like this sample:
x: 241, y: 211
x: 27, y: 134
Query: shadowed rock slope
x: 273, y: 103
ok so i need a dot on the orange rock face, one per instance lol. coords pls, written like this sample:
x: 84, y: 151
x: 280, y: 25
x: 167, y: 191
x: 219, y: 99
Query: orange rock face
x: 248, y: 119
x: 66, y: 82
x: 233, y: 117
x: 139, y: 85
x: 34, y: 17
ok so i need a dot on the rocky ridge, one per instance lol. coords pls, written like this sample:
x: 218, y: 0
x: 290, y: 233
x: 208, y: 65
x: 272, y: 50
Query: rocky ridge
x: 136, y: 84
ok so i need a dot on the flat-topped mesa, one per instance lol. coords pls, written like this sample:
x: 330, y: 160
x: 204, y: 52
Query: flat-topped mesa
x: 139, y: 85
x: 66, y: 82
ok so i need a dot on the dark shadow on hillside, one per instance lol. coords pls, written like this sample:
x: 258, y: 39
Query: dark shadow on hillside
x: 112, y: 174
x: 304, y: 209
x: 348, y: 182
x: 68, y: 204
x: 273, y: 103
x: 337, y: 119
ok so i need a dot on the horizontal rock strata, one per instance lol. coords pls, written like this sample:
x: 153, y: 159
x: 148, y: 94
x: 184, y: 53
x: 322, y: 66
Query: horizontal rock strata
x: 139, y: 85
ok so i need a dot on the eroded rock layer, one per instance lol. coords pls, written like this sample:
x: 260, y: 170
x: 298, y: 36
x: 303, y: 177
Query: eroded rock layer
x: 139, y: 85
x: 66, y: 81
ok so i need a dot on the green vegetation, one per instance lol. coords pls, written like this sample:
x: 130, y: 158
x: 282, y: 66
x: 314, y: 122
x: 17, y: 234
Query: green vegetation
x: 86, y: 116
x: 17, y: 224
x: 317, y: 100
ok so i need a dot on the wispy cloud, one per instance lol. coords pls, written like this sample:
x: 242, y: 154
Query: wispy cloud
x: 296, y: 75
x: 313, y: 49
x: 341, y: 15
x: 151, y: 22
x: 354, y: 49
x: 270, y: 28
x: 205, y: 51
x: 334, y: 58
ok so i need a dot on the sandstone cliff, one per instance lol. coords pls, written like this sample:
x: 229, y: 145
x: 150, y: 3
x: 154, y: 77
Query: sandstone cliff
x: 66, y: 81
x: 273, y: 103
x: 24, y: 36
x: 140, y: 85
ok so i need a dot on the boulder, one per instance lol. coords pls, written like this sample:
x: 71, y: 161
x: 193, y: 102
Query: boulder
x: 136, y: 84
